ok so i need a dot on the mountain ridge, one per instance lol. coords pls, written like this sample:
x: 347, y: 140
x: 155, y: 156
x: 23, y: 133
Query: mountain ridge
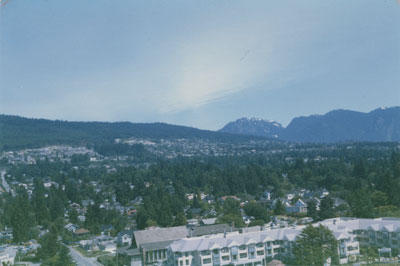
x: 339, y: 125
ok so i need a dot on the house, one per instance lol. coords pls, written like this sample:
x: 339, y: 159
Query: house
x: 71, y: 227
x: 208, y: 221
x: 299, y: 207
x: 81, y: 231
x: 195, y: 211
x: 247, y: 219
x: 323, y: 193
x: 103, y: 238
x: 222, y: 199
x: 337, y: 202
x: 208, y: 199
x: 81, y: 218
x: 88, y: 245
x: 108, y: 246
x: 209, y: 213
x: 106, y: 229
x: 86, y: 203
x: 267, y: 195
x: 290, y: 196
x: 124, y: 238
x: 192, y: 222
x: 132, y: 212
x: 6, y: 234
x: 133, y: 253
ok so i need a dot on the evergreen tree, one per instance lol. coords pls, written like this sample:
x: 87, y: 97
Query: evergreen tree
x: 64, y: 258
x: 312, y: 210
x: 20, y: 219
x: 279, y: 208
x: 361, y: 204
x: 326, y: 208
x: 315, y: 245
x: 141, y: 218
x: 180, y: 219
x: 48, y: 244
x: 39, y: 202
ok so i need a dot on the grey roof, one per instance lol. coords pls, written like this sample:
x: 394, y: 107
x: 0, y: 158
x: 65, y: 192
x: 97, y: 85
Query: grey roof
x: 129, y: 251
x: 157, y: 245
x: 341, y: 228
x: 160, y: 234
x: 209, y: 221
x: 210, y: 229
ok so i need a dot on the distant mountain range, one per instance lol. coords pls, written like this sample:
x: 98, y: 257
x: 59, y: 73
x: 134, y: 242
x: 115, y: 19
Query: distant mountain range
x: 382, y: 124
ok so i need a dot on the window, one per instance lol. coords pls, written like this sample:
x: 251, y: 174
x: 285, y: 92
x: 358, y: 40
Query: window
x: 206, y: 261
x: 242, y: 247
x: 394, y: 242
x: 205, y: 252
x: 181, y: 263
x: 243, y: 255
x: 260, y: 245
x: 216, y: 251
x: 351, y: 248
x: 234, y: 250
x: 260, y: 253
x: 187, y: 262
x: 234, y: 257
x: 225, y: 250
x: 225, y: 258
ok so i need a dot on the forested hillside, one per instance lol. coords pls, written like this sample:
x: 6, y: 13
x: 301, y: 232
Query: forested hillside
x: 18, y: 132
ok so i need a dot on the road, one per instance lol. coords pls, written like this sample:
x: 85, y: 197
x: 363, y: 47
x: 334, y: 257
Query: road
x: 4, y: 182
x: 81, y: 260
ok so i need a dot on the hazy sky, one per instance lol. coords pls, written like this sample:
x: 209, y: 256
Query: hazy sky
x: 197, y: 63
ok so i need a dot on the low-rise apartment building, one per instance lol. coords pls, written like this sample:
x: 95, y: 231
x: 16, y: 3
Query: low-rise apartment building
x: 258, y: 248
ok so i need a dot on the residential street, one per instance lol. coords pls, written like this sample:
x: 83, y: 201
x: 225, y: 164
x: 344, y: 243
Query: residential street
x: 5, y: 184
x: 81, y: 260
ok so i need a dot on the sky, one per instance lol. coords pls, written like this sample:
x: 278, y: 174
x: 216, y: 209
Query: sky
x: 197, y: 63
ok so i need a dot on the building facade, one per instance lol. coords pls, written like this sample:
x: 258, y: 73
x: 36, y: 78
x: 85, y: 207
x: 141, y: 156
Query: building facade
x: 258, y: 248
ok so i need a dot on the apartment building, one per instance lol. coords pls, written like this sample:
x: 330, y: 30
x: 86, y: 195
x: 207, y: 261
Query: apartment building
x: 260, y: 247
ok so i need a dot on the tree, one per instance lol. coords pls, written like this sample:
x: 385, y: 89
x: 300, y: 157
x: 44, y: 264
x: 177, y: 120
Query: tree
x: 257, y: 211
x: 361, y: 204
x: 370, y: 254
x: 279, y: 208
x: 39, y: 202
x: 180, y: 219
x: 315, y: 245
x: 48, y: 244
x: 141, y: 218
x: 64, y: 258
x: 326, y: 208
x: 232, y: 215
x: 73, y: 216
x: 20, y: 220
x: 312, y: 210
